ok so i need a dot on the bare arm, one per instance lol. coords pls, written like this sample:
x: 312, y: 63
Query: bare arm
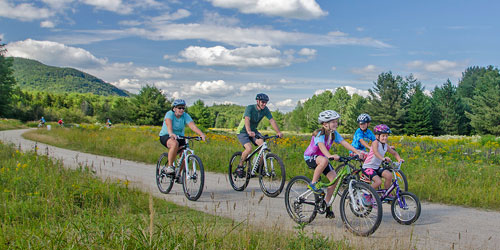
x: 193, y: 127
x: 395, y: 153
x: 325, y: 151
x: 247, y: 127
x: 275, y: 127
x: 350, y: 147
x: 168, y: 122
x: 364, y: 143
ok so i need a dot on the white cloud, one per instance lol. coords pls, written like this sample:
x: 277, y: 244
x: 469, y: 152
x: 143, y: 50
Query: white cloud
x: 1, y: 36
x: 23, y: 11
x: 153, y: 73
x: 337, y: 33
x: 307, y: 52
x: 47, y: 24
x: 285, y: 103
x: 350, y: 91
x: 285, y: 81
x: 360, y: 29
x: 130, y: 23
x: 298, y: 9
x: 258, y: 56
x: 437, y: 70
x: 369, y: 72
x: 110, y: 5
x: 132, y: 85
x: 214, y: 18
x: 217, y: 88
x: 55, y: 54
x: 252, y: 86
x: 179, y: 14
x: 334, y: 68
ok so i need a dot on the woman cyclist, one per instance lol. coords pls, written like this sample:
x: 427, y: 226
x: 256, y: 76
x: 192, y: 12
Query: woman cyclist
x: 173, y: 125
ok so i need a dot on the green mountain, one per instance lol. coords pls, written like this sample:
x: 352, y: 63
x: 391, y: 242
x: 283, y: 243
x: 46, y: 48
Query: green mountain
x: 35, y: 76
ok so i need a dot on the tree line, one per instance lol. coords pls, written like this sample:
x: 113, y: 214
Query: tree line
x: 471, y: 107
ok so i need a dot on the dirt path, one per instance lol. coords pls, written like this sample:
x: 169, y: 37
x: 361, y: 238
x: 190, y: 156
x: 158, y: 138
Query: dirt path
x: 439, y: 226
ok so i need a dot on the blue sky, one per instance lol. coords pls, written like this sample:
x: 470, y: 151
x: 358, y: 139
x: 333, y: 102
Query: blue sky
x: 226, y: 51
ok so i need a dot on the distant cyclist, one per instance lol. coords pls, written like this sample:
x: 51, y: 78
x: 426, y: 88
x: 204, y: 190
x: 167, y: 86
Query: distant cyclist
x: 173, y: 125
x: 363, y: 135
x: 108, y: 123
x: 61, y: 122
x: 248, y: 128
x: 42, y: 122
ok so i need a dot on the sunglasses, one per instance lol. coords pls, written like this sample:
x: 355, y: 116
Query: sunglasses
x: 181, y: 107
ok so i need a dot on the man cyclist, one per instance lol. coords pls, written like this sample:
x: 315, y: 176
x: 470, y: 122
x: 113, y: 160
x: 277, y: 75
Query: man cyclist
x: 173, y: 125
x: 248, y: 128
x: 42, y: 121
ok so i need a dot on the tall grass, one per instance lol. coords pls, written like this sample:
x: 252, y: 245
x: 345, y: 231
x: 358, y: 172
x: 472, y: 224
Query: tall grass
x: 451, y: 170
x: 6, y: 124
x: 46, y: 206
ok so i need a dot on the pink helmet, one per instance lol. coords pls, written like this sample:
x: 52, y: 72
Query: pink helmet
x: 382, y: 129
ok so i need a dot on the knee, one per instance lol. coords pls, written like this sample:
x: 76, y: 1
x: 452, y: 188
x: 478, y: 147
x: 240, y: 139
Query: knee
x: 322, y: 161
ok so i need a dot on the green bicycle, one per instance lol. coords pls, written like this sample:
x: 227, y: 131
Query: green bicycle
x: 360, y: 205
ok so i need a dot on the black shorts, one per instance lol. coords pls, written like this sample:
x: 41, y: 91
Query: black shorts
x: 164, y: 139
x: 311, y: 163
x: 370, y: 172
x: 244, y: 138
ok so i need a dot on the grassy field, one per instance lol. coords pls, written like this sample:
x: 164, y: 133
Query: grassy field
x: 450, y: 170
x: 6, y: 124
x: 45, y: 206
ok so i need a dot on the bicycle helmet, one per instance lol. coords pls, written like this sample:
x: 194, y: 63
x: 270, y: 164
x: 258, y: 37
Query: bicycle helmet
x: 179, y: 102
x: 364, y: 118
x: 382, y: 129
x: 262, y: 97
x: 327, y: 116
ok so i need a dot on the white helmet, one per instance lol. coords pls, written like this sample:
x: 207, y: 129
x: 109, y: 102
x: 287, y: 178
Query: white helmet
x: 327, y: 116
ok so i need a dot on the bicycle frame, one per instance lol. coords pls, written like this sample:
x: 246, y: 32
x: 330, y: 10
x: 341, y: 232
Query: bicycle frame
x: 262, y: 149
x: 184, y: 158
x: 394, y: 185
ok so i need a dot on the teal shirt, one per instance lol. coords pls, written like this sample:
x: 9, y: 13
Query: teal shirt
x: 178, y: 124
x: 255, y: 117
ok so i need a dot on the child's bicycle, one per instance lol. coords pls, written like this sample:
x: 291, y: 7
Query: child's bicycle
x: 398, y: 174
x: 360, y: 205
x: 271, y: 171
x: 405, y: 207
x: 188, y: 171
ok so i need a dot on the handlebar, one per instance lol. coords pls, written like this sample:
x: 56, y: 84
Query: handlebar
x: 266, y: 137
x: 197, y: 138
x: 392, y: 165
x: 346, y: 159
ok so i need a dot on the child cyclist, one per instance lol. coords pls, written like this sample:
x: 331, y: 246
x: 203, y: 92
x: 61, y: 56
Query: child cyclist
x: 371, y: 166
x: 363, y: 134
x: 317, y: 154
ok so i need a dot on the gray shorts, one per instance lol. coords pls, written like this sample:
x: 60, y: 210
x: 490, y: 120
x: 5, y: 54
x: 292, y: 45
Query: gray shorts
x: 244, y: 138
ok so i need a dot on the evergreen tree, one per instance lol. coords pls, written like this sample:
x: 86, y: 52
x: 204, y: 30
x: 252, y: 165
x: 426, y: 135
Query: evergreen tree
x: 485, y: 104
x: 446, y: 103
x: 419, y: 112
x: 150, y: 106
x: 6, y: 80
x: 201, y: 115
x: 386, y: 101
x: 355, y: 107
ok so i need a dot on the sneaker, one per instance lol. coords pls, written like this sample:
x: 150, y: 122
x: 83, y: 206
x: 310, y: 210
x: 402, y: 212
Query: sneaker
x: 170, y: 170
x: 240, y: 171
x: 366, y: 199
x: 179, y: 180
x: 329, y: 213
x: 313, y: 187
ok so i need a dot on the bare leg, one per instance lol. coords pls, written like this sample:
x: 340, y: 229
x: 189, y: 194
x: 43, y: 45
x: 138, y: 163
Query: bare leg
x: 173, y: 146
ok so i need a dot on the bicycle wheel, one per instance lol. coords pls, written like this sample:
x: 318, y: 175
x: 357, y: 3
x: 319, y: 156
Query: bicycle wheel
x: 239, y: 183
x: 361, y: 213
x: 300, y: 201
x: 164, y: 181
x: 194, y: 179
x: 406, y: 209
x: 403, y: 183
x: 272, y: 176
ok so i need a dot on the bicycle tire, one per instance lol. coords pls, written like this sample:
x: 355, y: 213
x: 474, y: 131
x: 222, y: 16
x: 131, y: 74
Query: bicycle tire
x: 369, y: 215
x: 238, y: 183
x: 273, y: 179
x: 409, y: 200
x: 402, y: 180
x: 163, y: 181
x: 295, y: 205
x: 193, y: 187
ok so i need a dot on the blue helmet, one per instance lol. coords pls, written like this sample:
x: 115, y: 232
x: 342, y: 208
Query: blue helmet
x: 364, y: 118
x: 179, y: 102
x: 262, y: 97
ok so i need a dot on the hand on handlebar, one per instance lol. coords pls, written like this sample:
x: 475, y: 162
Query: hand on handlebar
x: 174, y: 136
x: 280, y: 135
x: 334, y: 157
x: 251, y: 134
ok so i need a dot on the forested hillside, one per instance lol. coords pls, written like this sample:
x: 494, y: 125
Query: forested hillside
x: 35, y: 76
